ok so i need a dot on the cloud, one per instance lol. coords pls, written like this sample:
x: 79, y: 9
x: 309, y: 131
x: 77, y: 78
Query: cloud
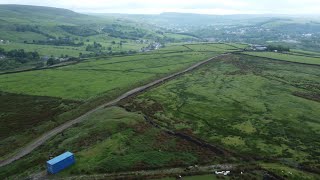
x: 193, y: 6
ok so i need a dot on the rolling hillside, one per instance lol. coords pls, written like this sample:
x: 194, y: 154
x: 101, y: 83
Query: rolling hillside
x: 40, y: 15
x: 61, y: 34
x: 47, y: 22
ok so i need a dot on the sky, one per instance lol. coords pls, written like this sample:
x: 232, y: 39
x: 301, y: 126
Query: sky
x: 185, y: 6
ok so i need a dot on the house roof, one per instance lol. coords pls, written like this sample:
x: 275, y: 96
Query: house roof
x: 60, y: 158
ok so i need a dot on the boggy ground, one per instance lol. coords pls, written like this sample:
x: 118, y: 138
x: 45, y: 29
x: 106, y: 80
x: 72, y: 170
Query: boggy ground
x: 264, y: 109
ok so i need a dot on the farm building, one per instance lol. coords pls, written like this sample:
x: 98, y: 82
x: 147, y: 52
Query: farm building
x: 60, y: 162
x: 259, y: 48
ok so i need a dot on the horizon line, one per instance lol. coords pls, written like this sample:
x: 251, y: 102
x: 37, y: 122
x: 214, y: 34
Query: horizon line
x: 163, y: 12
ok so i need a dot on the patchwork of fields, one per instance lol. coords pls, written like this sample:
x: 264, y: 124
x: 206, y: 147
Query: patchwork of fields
x: 294, y: 57
x: 93, y: 78
x: 74, y: 51
x: 46, y: 50
x: 254, y: 108
x: 158, y: 96
x: 57, y: 93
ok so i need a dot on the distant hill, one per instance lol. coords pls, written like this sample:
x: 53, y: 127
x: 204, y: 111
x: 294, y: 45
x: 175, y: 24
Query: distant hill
x: 39, y: 14
x: 19, y: 23
x: 179, y: 20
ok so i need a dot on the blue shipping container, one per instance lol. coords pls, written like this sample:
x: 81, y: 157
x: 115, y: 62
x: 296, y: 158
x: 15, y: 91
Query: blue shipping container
x: 60, y: 162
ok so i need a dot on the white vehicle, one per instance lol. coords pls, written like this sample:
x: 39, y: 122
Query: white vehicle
x: 225, y: 173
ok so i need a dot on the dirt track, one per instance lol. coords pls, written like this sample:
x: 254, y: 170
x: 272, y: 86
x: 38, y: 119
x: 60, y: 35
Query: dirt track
x: 43, y: 138
x: 144, y: 174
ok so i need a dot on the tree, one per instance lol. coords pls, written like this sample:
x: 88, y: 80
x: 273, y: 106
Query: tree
x: 52, y: 61
x: 2, y: 51
x: 278, y: 48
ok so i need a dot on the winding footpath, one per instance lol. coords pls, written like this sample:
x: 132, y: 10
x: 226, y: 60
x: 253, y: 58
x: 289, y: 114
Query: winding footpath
x: 43, y: 138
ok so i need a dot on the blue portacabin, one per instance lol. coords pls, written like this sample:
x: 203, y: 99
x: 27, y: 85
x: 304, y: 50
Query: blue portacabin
x: 60, y: 162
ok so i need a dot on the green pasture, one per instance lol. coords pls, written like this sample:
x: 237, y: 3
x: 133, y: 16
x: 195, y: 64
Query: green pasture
x: 20, y: 36
x: 212, y: 47
x: 180, y: 37
x: 88, y: 83
x: 286, y: 57
x: 46, y: 50
x: 98, y: 77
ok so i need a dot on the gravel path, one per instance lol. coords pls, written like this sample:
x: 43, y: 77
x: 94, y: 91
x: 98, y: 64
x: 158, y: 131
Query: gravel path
x: 143, y: 174
x: 43, y: 138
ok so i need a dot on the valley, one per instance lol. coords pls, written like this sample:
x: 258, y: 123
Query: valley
x: 158, y: 96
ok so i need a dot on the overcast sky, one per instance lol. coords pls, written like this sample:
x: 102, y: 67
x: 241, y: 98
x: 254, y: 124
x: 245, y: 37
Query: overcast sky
x: 190, y: 6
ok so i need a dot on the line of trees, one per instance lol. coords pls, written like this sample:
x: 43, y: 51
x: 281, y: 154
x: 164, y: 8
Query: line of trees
x: 54, y: 60
x: 57, y: 42
x: 278, y: 48
x: 20, y: 55
x: 79, y: 30
x: 95, y: 47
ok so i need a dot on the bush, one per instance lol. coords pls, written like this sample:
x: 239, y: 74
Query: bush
x: 278, y: 48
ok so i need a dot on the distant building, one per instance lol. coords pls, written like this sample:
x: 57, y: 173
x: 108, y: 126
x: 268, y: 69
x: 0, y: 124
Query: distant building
x: 151, y: 47
x: 63, y: 59
x: 45, y: 58
x: 259, y: 48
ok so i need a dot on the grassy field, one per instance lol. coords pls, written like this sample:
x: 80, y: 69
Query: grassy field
x: 180, y: 37
x: 106, y: 41
x: 212, y: 47
x: 112, y: 140
x: 20, y: 36
x: 298, y: 51
x: 286, y: 57
x: 289, y: 173
x: 46, y: 50
x: 173, y: 48
x: 93, y: 78
x: 261, y: 108
x: 86, y: 84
